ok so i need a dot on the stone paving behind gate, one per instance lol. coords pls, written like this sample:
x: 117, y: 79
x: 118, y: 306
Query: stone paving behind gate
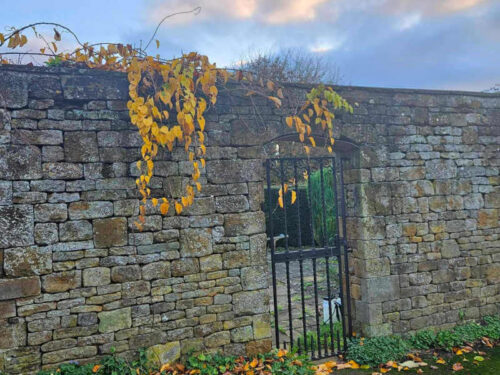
x: 77, y: 279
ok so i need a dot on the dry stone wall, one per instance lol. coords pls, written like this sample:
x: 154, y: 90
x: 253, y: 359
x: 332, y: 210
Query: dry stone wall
x: 77, y: 279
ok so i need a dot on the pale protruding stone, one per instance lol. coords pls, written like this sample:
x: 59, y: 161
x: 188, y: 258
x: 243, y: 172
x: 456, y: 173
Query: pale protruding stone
x: 157, y: 270
x: 80, y: 147
x: 46, y: 233
x: 115, y: 320
x: 161, y: 354
x: 90, y: 210
x: 244, y: 223
x: 51, y: 212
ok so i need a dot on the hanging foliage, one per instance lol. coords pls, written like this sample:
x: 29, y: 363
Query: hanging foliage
x: 169, y: 98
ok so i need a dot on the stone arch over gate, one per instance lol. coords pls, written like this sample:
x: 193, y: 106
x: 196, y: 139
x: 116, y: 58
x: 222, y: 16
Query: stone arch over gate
x: 422, y: 204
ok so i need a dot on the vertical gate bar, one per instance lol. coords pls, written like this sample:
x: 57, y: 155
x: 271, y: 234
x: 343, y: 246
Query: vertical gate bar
x: 271, y: 240
x: 301, y: 266
x: 296, y: 177
x: 313, y: 353
x: 309, y: 198
x: 304, y: 326
x: 329, y: 299
x: 287, y: 263
x: 323, y: 204
x: 339, y: 258
x: 344, y: 242
x: 316, y: 306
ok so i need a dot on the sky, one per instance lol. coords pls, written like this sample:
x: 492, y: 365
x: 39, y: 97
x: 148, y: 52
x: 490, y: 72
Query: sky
x: 428, y: 44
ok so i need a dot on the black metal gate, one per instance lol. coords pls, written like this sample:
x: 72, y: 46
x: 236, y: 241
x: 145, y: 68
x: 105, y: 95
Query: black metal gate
x: 306, y: 231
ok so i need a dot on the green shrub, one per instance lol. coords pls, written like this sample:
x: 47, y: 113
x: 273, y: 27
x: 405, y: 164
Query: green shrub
x: 317, y: 206
x: 423, y: 339
x: 376, y: 350
x: 492, y: 327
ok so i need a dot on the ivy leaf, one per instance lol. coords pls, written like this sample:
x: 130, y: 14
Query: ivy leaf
x: 275, y: 100
x: 157, y: 43
x: 294, y: 196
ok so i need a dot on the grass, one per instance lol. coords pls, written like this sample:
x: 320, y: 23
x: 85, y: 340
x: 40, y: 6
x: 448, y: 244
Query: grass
x: 490, y: 365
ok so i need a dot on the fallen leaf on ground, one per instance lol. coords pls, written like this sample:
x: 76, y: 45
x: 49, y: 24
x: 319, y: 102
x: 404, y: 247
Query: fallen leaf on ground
x: 457, y: 367
x: 441, y: 361
x: 479, y: 358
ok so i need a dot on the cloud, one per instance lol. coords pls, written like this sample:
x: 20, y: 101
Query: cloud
x: 273, y: 12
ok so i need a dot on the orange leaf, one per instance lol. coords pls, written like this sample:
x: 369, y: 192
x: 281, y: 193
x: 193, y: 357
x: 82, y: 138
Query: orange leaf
x: 275, y: 100
x: 457, y: 366
x: 96, y: 368
x: 441, y: 361
x: 178, y: 208
x: 294, y: 196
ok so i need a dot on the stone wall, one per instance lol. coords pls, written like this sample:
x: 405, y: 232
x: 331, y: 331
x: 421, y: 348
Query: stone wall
x: 78, y: 279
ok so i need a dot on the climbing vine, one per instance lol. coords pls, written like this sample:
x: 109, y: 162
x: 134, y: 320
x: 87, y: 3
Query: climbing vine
x: 169, y: 99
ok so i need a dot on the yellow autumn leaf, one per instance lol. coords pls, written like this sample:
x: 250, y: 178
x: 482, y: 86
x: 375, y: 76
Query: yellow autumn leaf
x: 164, y: 208
x: 275, y: 100
x: 178, y: 208
x: 294, y: 196
x: 157, y: 43
x: 280, y: 201
x: 155, y: 202
x: 280, y: 93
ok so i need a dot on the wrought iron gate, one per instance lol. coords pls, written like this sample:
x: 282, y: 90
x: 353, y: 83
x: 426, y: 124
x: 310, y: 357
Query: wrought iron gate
x: 305, y: 200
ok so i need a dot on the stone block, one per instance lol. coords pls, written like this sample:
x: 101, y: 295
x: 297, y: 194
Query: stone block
x: 488, y: 218
x: 380, y: 289
x: 195, y: 242
x: 110, y: 232
x: 51, y: 212
x: 231, y: 203
x: 251, y: 302
x: 96, y: 276
x: 211, y: 263
x: 232, y: 171
x: 16, y: 226
x: 20, y: 163
x: 62, y: 281
x: 161, y: 354
x: 62, y: 171
x: 217, y: 339
x: 88, y: 87
x: 448, y: 249
x: 245, y: 223
x: 5, y: 193
x: 253, y: 348
x: 90, y: 210
x: 157, y: 270
x: 80, y: 147
x: 27, y: 261
x: 79, y: 352
x: 14, y: 89
x: 46, y: 233
x: 115, y: 320
x: 121, y: 274
x: 254, y: 277
x: 242, y: 334
x: 7, y: 309
x: 19, y: 288
x: 185, y: 266
x: 440, y: 169
x: 12, y: 335
x: 134, y: 289
x: 77, y: 230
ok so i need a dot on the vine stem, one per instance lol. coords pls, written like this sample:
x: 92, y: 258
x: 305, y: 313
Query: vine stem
x: 195, y: 11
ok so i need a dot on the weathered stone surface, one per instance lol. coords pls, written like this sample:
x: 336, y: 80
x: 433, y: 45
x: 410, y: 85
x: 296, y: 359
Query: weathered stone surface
x: 96, y: 276
x: 78, y: 230
x: 62, y: 171
x: 20, y: 163
x: 81, y: 147
x: 15, y: 89
x: 158, y: 270
x: 254, y: 277
x: 254, y: 302
x: 62, y: 281
x: 16, y: 223
x: 225, y: 171
x: 217, y: 339
x: 195, y: 242
x: 12, y: 335
x: 66, y: 354
x: 110, y: 232
x: 19, y: 287
x: 90, y: 210
x: 5, y: 193
x: 440, y: 169
x: 105, y: 87
x: 186, y: 266
x: 122, y: 274
x: 244, y: 223
x: 164, y: 353
x: 115, y: 320
x: 46, y: 234
x: 27, y: 261
x: 51, y: 212
x: 231, y: 203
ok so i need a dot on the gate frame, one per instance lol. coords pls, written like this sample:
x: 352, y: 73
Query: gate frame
x: 339, y: 250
